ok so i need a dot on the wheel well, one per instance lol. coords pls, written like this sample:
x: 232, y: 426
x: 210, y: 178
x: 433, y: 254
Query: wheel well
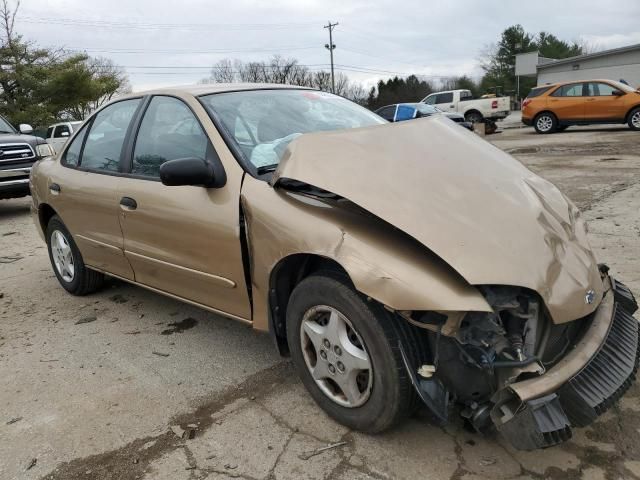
x: 473, y: 110
x: 45, y: 212
x: 545, y: 111
x: 626, y: 117
x: 288, y: 273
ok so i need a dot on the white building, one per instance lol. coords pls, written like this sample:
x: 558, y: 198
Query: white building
x: 617, y: 64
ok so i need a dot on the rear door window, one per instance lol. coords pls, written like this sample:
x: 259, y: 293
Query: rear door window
x: 169, y: 130
x: 571, y: 90
x: 103, y: 147
x: 599, y: 89
x: 446, y: 97
x: 62, y: 131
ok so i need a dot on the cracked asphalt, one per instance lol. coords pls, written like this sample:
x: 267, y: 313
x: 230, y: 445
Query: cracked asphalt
x: 126, y: 384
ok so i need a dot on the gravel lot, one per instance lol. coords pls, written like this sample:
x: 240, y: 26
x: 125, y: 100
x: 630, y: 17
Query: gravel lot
x: 128, y: 384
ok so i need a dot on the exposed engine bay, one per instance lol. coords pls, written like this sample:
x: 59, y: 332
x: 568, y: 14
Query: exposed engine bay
x: 478, y: 356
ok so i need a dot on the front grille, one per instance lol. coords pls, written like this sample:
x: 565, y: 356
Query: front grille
x: 11, y: 152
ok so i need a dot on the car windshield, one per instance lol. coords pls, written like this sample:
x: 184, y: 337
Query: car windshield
x: 263, y: 122
x: 5, y: 127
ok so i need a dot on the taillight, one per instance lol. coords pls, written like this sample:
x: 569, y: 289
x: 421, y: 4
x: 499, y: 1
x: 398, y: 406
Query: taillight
x: 526, y: 102
x: 494, y: 104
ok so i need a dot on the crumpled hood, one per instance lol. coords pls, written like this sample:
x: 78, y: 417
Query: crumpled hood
x: 480, y: 210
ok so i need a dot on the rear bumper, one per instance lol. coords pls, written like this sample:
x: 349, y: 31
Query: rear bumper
x: 498, y: 115
x: 527, y: 121
x: 540, y: 412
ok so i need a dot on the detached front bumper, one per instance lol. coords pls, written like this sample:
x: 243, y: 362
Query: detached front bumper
x: 540, y: 412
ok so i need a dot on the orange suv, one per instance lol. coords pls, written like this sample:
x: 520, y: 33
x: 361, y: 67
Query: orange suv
x: 552, y: 108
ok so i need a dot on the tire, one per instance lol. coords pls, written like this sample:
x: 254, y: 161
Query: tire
x: 473, y: 117
x: 545, y: 122
x: 67, y: 262
x: 383, y: 394
x: 634, y: 119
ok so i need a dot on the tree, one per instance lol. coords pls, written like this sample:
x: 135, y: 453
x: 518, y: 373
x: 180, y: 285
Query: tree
x: 398, y: 90
x: 283, y: 70
x: 499, y: 60
x: 40, y: 86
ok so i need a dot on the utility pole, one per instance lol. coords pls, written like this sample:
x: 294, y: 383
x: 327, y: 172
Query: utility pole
x: 331, y: 46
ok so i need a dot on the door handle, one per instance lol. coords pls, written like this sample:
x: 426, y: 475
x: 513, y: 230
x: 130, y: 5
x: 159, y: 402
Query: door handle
x: 54, y: 188
x: 128, y: 203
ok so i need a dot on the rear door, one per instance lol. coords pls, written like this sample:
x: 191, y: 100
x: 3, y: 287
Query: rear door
x: 85, y: 191
x: 568, y: 102
x: 183, y: 240
x: 602, y: 105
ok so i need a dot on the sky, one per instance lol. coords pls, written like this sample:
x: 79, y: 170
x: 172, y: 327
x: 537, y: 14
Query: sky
x: 164, y: 43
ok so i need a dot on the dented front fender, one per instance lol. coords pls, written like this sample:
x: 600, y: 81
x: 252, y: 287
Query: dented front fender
x: 382, y: 262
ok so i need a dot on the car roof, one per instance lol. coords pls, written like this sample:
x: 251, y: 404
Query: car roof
x: 558, y: 84
x: 72, y: 122
x: 209, y: 88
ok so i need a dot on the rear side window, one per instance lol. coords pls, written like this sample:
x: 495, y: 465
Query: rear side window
x: 72, y: 155
x: 571, y: 90
x: 444, y: 97
x: 387, y: 112
x: 536, y: 92
x: 49, y: 132
x: 108, y: 130
x: 169, y: 130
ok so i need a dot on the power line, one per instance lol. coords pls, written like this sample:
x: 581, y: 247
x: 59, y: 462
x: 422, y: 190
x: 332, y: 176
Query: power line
x: 189, y: 52
x: 146, y: 25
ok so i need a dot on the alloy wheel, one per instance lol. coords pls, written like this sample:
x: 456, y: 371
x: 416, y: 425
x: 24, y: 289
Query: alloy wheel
x: 544, y: 123
x: 635, y: 120
x: 336, y: 356
x: 62, y: 256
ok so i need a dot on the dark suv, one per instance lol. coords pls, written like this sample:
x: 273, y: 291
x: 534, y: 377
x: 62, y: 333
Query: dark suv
x: 18, y: 152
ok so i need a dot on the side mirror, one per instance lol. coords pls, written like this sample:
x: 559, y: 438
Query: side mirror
x: 25, y: 129
x: 618, y: 93
x: 188, y: 171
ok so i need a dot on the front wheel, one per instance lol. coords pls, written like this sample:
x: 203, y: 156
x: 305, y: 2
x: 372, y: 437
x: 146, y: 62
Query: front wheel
x: 634, y: 119
x: 346, y: 352
x: 67, y: 262
x: 545, y: 123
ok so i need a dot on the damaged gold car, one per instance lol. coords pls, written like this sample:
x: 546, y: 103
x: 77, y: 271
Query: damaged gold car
x: 393, y: 262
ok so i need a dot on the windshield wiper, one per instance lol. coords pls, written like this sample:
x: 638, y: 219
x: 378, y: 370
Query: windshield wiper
x: 267, y: 168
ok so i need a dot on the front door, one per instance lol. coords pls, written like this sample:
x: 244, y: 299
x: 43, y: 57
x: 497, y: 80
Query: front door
x: 86, y: 193
x: 568, y: 103
x: 602, y: 105
x: 184, y: 240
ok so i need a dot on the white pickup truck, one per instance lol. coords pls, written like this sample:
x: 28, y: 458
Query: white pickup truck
x: 473, y: 109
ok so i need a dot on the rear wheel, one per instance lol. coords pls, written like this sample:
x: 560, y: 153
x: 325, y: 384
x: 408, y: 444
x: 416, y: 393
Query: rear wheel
x: 545, y: 123
x: 346, y: 352
x: 473, y: 117
x: 67, y: 262
x: 634, y: 119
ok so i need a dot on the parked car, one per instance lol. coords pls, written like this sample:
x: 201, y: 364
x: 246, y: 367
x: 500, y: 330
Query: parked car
x: 379, y: 256
x: 59, y: 133
x: 552, y: 108
x: 473, y: 109
x: 406, y: 111
x: 18, y: 152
